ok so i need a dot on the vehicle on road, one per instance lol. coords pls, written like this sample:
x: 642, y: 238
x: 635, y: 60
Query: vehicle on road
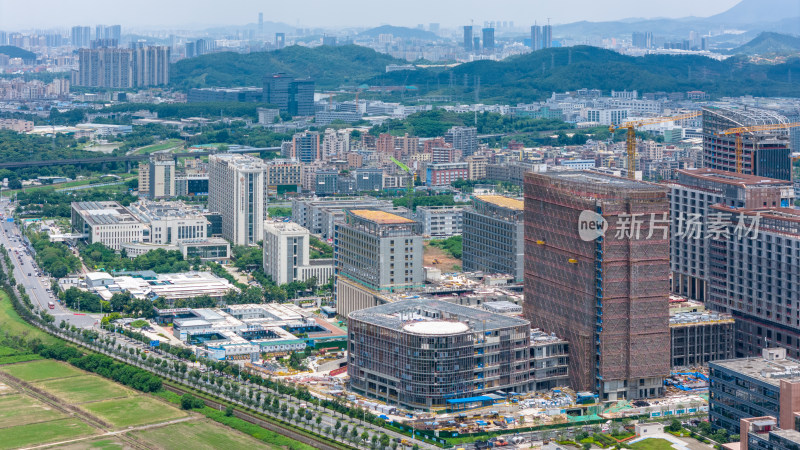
x: 51, y: 305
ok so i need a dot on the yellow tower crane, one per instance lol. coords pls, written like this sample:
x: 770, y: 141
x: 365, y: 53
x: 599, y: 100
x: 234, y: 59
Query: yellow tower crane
x: 631, y: 136
x: 752, y: 129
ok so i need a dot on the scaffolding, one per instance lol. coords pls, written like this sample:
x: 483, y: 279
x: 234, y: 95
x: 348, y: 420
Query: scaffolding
x: 607, y: 297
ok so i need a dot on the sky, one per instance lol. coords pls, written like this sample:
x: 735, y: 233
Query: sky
x: 194, y: 14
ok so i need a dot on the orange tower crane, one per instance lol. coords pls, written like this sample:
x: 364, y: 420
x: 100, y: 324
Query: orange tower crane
x: 631, y: 135
x: 752, y: 129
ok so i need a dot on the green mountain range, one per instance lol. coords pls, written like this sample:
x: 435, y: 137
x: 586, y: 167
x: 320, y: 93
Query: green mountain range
x: 529, y: 77
x: 768, y: 42
x: 329, y: 66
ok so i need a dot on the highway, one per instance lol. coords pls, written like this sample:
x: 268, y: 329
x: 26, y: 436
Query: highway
x: 25, y: 272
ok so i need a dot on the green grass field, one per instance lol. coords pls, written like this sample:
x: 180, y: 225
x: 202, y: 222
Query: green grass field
x: 103, y: 443
x: 653, y: 444
x: 203, y: 434
x: 166, y: 145
x: 43, y: 432
x: 14, y: 325
x: 18, y: 409
x: 84, y: 388
x: 133, y: 411
x: 41, y: 370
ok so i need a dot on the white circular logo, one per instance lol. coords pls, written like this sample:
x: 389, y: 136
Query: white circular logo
x: 591, y: 225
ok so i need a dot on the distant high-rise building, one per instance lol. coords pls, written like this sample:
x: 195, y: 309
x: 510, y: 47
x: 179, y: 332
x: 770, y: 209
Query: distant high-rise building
x: 329, y: 41
x: 536, y: 37
x: 122, y: 68
x: 81, y: 36
x: 493, y: 236
x: 468, y: 38
x: 292, y: 96
x: 464, y: 139
x: 236, y: 190
x: 764, y: 153
x: 599, y: 280
x: 3, y: 38
x: 113, y: 32
x: 433, y: 27
x: 280, y: 40
x: 476, y: 44
x: 547, y: 36
x: 260, y: 24
x: 99, y: 31
x: 162, y: 175
x: 306, y: 146
x: 488, y: 39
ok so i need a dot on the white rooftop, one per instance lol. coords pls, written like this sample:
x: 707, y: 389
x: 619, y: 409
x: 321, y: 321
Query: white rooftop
x: 436, y: 327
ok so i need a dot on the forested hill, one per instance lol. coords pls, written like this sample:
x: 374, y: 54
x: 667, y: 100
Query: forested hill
x: 330, y: 66
x: 519, y: 79
x: 769, y: 42
x: 16, y: 52
x: 536, y: 75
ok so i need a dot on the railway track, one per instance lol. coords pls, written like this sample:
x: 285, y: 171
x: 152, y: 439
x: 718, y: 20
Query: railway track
x: 247, y: 417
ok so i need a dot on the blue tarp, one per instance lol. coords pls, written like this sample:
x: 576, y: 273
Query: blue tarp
x: 384, y: 417
x: 481, y: 423
x: 480, y: 398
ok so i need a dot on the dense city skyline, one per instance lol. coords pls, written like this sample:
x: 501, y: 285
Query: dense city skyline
x: 197, y: 15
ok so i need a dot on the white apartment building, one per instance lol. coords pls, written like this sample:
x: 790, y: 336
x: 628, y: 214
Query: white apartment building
x: 162, y: 176
x: 286, y: 254
x: 605, y: 116
x: 108, y: 223
x: 335, y: 143
x: 237, y: 191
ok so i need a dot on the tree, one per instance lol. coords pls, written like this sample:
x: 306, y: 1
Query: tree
x: 229, y: 411
x: 675, y: 426
x: 189, y: 401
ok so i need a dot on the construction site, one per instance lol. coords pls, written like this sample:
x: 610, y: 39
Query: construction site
x: 605, y: 294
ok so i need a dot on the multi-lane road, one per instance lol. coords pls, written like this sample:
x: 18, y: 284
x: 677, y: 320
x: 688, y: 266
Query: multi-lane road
x: 26, y: 273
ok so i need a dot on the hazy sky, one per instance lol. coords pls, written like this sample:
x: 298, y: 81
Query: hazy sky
x: 31, y: 14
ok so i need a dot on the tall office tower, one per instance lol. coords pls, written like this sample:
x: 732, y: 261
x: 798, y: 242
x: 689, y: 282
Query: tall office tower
x: 81, y: 36
x: 286, y: 254
x: 236, y: 190
x: 464, y: 139
x: 476, y: 44
x: 329, y: 41
x: 468, y: 38
x: 150, y: 66
x: 605, y: 293
x: 488, y: 39
x: 280, y: 40
x: 764, y: 153
x: 3, y: 38
x: 536, y: 37
x: 305, y: 146
x: 162, y: 175
x: 493, y: 236
x: 638, y: 39
x: 100, y: 32
x: 261, y: 25
x: 547, y: 36
x: 375, y: 251
x: 295, y: 97
x: 189, y: 50
x: 692, y: 194
x: 335, y: 143
x: 754, y: 276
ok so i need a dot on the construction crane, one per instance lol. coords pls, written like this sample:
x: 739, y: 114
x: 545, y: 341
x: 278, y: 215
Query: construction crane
x: 631, y: 137
x: 412, y: 180
x: 738, y: 131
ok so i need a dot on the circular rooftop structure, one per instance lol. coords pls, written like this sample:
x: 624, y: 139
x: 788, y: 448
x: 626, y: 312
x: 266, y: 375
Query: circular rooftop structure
x: 436, y: 327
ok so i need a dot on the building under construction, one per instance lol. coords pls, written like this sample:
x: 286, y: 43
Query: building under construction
x: 764, y: 153
x: 430, y: 354
x: 607, y: 296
